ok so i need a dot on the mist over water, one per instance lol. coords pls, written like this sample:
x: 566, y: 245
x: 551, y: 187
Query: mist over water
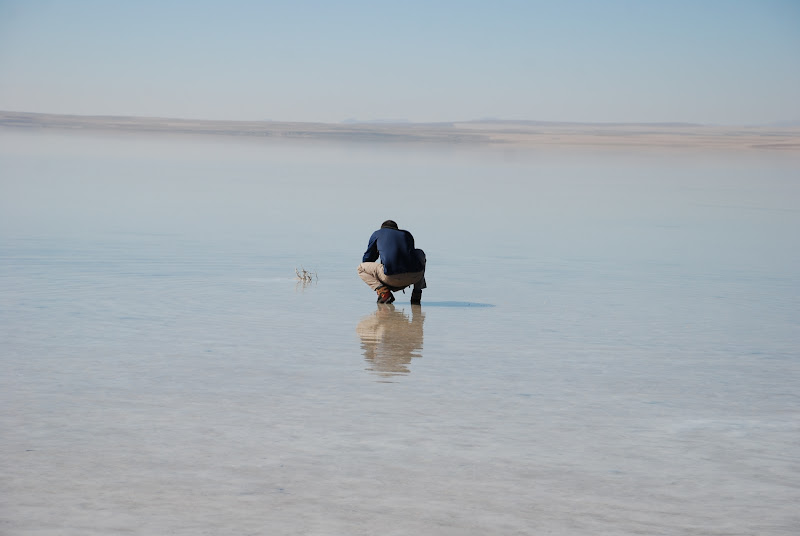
x: 608, y: 344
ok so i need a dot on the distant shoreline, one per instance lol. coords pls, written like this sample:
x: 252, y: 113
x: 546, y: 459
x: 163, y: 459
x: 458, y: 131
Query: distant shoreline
x: 531, y: 134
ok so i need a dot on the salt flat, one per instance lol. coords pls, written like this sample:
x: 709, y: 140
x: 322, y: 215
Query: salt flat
x: 630, y: 364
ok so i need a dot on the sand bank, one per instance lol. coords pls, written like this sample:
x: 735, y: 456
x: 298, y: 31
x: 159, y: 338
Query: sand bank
x: 513, y: 133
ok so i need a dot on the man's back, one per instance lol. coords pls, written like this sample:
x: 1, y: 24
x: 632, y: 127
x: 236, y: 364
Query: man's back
x: 396, y: 250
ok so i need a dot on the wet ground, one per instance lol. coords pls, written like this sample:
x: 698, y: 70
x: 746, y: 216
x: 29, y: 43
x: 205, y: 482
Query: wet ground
x: 608, y: 343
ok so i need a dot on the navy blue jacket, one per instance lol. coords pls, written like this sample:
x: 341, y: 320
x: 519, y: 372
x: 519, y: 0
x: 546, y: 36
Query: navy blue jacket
x: 396, y: 250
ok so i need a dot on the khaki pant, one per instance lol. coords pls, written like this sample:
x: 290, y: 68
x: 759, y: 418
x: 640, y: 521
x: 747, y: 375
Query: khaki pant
x: 372, y: 274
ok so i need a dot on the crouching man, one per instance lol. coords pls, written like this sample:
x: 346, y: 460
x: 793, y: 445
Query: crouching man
x: 401, y: 264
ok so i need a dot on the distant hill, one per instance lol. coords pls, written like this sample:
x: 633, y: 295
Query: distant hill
x: 795, y: 123
x: 354, y: 121
x: 533, y: 123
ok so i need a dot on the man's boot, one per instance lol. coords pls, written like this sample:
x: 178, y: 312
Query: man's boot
x: 384, y: 295
x: 416, y: 296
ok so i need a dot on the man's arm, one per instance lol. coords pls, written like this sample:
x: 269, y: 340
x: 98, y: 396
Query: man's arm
x: 371, y: 255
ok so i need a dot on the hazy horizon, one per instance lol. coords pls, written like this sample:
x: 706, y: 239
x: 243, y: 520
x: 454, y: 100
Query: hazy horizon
x: 789, y: 123
x: 712, y: 63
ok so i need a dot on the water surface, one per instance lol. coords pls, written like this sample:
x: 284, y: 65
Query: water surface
x: 608, y: 343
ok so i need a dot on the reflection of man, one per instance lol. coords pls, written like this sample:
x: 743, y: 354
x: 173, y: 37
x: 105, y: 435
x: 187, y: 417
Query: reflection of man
x: 401, y: 264
x: 390, y: 339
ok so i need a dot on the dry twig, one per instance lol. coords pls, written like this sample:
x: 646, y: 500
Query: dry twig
x: 305, y: 276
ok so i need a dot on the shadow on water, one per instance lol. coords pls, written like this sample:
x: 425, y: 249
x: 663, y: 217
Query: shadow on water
x: 390, y: 339
x: 455, y: 304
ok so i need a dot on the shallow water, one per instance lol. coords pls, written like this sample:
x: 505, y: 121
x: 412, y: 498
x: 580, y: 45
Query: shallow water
x: 608, y: 343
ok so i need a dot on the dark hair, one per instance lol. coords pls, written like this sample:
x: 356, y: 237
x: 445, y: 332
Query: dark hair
x: 389, y: 224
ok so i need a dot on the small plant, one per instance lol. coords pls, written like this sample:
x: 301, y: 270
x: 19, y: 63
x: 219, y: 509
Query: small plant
x: 305, y: 276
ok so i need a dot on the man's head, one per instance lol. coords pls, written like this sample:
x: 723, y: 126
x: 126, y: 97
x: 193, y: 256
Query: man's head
x: 389, y: 224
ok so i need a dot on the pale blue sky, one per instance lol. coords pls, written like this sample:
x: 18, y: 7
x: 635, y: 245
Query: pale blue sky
x: 722, y: 62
